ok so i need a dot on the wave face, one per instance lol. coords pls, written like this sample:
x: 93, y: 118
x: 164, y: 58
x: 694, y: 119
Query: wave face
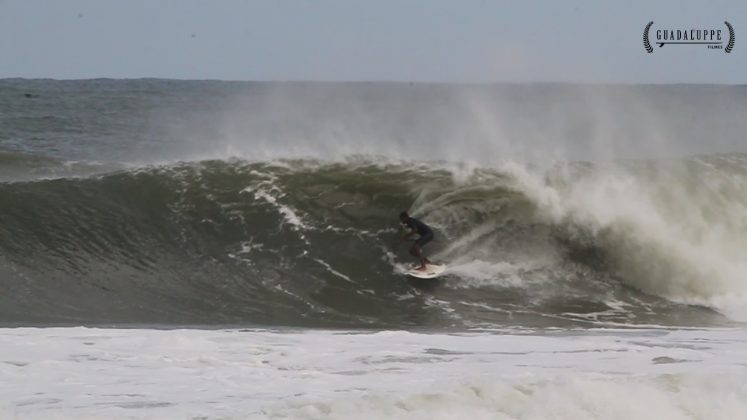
x: 310, y: 243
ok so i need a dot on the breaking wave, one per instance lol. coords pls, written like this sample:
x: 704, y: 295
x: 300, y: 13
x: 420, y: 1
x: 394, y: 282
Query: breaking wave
x: 310, y: 243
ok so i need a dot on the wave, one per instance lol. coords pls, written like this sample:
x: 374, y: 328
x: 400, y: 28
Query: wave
x: 310, y: 243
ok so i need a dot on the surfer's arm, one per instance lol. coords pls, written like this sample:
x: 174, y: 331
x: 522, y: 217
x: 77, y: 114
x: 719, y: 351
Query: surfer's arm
x: 407, y: 235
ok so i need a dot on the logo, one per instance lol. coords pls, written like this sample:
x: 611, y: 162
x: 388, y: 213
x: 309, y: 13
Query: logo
x: 712, y: 38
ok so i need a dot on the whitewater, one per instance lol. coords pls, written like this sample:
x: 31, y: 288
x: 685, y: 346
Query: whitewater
x: 611, y: 374
x: 203, y: 249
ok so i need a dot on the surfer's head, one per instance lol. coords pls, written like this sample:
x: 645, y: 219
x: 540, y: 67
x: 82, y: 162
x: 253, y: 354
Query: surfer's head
x: 403, y: 217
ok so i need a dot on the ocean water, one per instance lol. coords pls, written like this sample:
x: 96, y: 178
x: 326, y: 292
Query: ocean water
x: 202, y: 249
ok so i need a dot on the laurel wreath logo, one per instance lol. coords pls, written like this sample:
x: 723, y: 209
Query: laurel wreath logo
x: 649, y: 49
x: 646, y: 44
x: 730, y: 45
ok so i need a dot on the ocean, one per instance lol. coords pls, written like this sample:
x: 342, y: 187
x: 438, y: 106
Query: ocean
x: 205, y: 249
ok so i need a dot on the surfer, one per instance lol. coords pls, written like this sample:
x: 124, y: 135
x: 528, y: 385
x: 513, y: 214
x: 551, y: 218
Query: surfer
x: 425, y: 235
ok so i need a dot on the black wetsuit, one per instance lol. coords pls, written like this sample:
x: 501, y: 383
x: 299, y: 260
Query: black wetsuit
x: 425, y: 232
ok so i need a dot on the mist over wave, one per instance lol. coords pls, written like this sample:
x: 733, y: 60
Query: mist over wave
x: 151, y: 121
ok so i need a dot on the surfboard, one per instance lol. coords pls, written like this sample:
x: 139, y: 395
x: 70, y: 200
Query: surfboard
x: 431, y: 271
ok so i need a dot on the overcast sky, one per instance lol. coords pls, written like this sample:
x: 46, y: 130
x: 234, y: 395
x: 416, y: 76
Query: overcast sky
x: 350, y: 40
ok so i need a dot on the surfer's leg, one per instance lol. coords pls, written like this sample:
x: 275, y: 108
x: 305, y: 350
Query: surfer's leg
x: 419, y: 244
x: 417, y: 252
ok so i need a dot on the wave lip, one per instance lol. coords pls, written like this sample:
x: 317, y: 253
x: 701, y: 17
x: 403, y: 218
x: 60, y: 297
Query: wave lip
x: 21, y: 167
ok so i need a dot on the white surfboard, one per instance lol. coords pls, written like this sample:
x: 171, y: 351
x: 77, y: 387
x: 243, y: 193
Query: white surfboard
x: 431, y: 271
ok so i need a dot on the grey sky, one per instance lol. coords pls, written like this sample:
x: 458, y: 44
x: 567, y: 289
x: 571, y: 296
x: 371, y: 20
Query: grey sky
x: 406, y: 40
